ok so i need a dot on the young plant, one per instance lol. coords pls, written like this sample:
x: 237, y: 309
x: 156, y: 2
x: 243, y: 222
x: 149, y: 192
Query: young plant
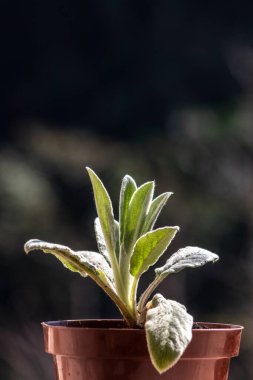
x: 127, y: 248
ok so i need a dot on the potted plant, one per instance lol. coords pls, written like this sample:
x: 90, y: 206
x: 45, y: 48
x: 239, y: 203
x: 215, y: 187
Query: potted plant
x: 154, y: 334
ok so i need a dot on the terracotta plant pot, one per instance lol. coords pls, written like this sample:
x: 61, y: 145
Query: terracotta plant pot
x: 108, y: 350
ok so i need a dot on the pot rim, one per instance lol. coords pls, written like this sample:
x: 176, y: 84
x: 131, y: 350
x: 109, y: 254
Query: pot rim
x: 59, y: 325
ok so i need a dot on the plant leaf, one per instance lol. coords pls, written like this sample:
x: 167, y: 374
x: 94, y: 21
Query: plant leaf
x: 191, y: 257
x: 128, y: 188
x: 154, y: 211
x: 116, y: 238
x: 101, y: 240
x: 137, y: 211
x: 83, y: 262
x: 168, y: 331
x: 188, y: 257
x: 104, y: 210
x: 149, y: 248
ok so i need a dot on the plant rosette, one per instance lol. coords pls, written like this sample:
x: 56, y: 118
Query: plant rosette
x: 126, y: 249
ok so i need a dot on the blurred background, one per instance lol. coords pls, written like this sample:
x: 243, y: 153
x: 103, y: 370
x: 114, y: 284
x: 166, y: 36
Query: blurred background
x: 159, y: 90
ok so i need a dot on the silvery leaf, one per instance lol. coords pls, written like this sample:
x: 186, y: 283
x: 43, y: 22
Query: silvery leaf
x: 168, y: 331
x: 191, y: 257
x: 101, y: 240
x: 83, y: 262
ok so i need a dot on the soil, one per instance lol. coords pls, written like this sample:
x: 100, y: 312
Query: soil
x: 110, y: 324
x: 197, y: 325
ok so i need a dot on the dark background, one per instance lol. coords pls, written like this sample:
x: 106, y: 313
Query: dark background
x: 160, y: 90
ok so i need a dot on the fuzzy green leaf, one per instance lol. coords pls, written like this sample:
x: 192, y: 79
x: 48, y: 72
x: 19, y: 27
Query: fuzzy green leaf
x: 101, y: 240
x: 116, y: 238
x: 83, y: 262
x: 188, y: 257
x: 137, y: 211
x: 149, y: 248
x: 168, y: 331
x: 155, y: 209
x: 104, y: 210
x: 128, y: 188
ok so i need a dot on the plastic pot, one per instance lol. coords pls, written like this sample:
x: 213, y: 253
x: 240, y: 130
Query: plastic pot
x: 108, y: 350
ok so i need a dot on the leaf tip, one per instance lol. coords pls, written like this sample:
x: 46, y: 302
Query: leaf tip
x: 215, y: 257
x: 29, y: 245
x: 127, y: 177
x: 89, y: 170
x: 149, y: 183
x: 26, y: 247
x: 159, y: 367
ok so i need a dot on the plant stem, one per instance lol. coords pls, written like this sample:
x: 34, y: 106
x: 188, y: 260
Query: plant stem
x: 128, y: 316
x: 146, y: 295
x: 132, y: 297
x: 122, y: 278
x: 117, y: 278
x: 125, y: 274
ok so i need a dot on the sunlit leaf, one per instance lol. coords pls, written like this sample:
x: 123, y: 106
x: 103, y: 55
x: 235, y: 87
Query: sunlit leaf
x: 168, y: 331
x: 188, y: 257
x: 101, y: 240
x: 83, y: 262
x: 149, y: 248
x: 116, y: 238
x: 155, y: 209
x: 104, y: 210
x: 128, y: 187
x: 137, y: 211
